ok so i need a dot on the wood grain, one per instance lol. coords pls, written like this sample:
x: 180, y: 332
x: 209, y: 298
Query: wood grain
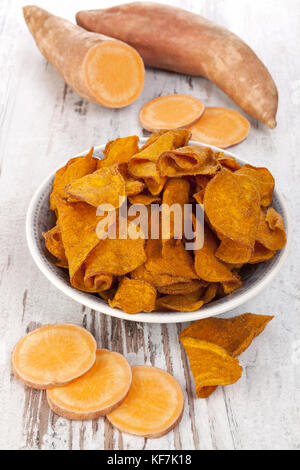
x: 42, y: 124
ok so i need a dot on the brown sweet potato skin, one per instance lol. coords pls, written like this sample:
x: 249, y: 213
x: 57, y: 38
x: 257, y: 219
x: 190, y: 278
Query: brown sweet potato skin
x: 174, y: 39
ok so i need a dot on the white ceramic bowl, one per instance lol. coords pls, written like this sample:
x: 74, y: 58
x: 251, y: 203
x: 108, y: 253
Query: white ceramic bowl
x: 40, y: 219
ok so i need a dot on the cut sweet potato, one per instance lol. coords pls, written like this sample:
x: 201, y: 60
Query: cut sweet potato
x: 96, y: 393
x: 174, y: 39
x: 221, y: 127
x: 170, y: 112
x: 53, y: 355
x: 153, y: 406
x: 98, y: 68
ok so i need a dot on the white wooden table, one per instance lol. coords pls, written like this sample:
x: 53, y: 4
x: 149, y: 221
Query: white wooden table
x: 42, y: 123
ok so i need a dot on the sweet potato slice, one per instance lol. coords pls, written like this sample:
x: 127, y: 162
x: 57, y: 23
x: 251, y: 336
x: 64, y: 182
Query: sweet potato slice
x: 134, y: 296
x: 232, y: 205
x: 97, y: 392
x: 260, y: 254
x: 98, y: 68
x: 170, y: 112
x: 74, y: 169
x: 210, y: 364
x: 262, y: 179
x: 104, y: 186
x: 119, y: 151
x: 53, y: 355
x: 153, y: 406
x: 156, y: 279
x: 271, y: 233
x: 221, y: 127
x: 188, y: 161
x: 182, y: 303
x: 230, y: 251
x: 54, y: 244
x: 207, y: 266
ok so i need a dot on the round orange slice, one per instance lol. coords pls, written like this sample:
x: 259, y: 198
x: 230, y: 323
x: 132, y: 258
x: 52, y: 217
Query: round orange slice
x: 170, y: 112
x: 221, y: 127
x: 53, y: 355
x: 95, y: 393
x: 153, y: 406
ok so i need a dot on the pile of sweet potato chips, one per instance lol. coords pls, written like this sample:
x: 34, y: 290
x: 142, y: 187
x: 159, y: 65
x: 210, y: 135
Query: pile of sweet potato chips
x: 142, y: 274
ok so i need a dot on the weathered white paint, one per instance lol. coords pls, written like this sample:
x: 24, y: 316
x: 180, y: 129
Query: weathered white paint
x: 42, y: 123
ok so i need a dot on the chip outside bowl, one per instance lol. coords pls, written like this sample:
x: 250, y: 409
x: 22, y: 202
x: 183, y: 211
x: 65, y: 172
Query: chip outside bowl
x: 39, y: 219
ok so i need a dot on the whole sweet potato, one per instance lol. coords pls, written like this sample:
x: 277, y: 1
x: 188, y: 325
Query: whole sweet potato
x: 174, y: 39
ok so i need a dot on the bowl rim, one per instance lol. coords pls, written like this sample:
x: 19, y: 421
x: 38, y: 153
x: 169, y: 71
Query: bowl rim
x: 87, y: 299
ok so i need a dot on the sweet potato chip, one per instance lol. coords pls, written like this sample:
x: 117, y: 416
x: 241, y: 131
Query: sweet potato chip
x: 182, y: 303
x: 271, y: 233
x: 115, y: 256
x: 210, y: 364
x: 104, y: 186
x: 78, y: 229
x: 55, y: 245
x: 188, y: 161
x: 74, y: 169
x: 210, y: 292
x: 156, y: 279
x: 231, y: 286
x: 175, y: 260
x: 144, y: 198
x: 182, y: 287
x: 207, y: 266
x: 155, y: 184
x: 133, y: 187
x: 134, y: 296
x: 201, y: 183
x: 260, y: 254
x: 228, y: 162
x: 232, y: 205
x: 176, y: 191
x: 262, y: 179
x: 233, y: 334
x: 152, y: 138
x: 143, y: 163
x: 181, y: 137
x: 119, y: 151
x: 233, y: 252
x: 96, y: 282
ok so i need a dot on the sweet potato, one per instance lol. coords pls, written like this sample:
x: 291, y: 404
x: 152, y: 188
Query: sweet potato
x: 170, y: 112
x: 53, y: 355
x: 174, y: 39
x: 96, y: 393
x: 221, y: 127
x: 98, y: 68
x: 153, y: 406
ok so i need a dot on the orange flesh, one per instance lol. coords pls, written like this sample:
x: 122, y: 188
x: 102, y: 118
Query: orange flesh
x: 53, y: 355
x: 153, y: 405
x: 95, y: 393
x: 170, y: 112
x: 115, y: 73
x: 221, y: 127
